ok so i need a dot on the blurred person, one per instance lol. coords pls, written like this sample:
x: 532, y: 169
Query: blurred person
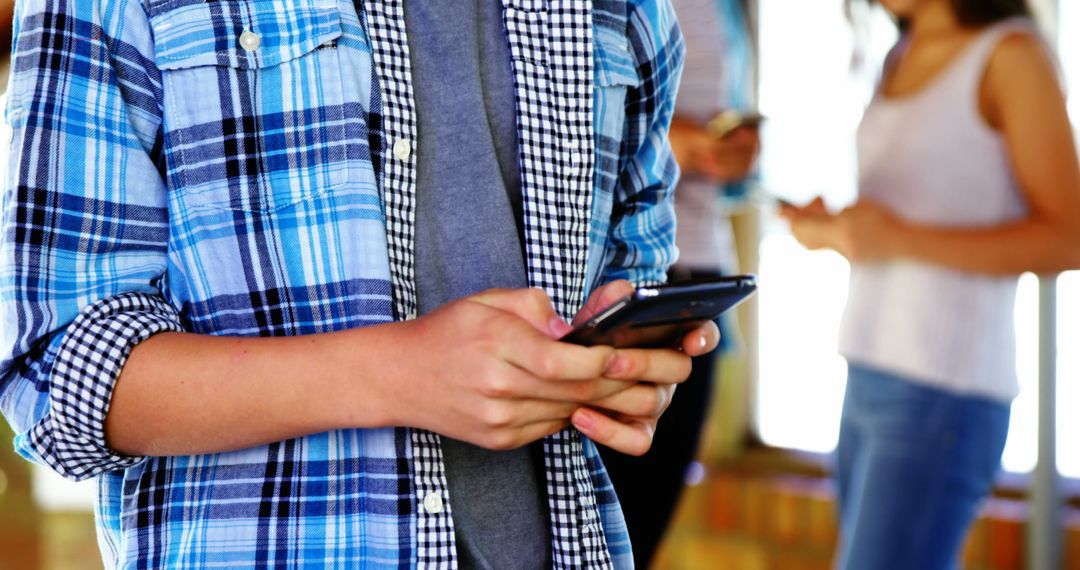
x: 717, y: 76
x: 7, y: 14
x: 279, y: 275
x: 968, y: 176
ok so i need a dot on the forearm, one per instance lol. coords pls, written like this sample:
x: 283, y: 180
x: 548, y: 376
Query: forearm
x: 1031, y: 245
x: 183, y: 394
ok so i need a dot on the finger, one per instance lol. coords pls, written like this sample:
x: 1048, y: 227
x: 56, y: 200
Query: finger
x: 817, y: 206
x: 703, y: 340
x: 521, y: 384
x: 723, y: 147
x: 642, y: 400
x: 505, y: 411
x: 743, y: 147
x: 533, y: 432
x: 580, y: 392
x: 602, y: 298
x: 633, y: 437
x: 733, y: 145
x: 746, y: 133
x: 551, y: 360
x: 516, y: 437
x: 660, y: 365
x: 532, y: 304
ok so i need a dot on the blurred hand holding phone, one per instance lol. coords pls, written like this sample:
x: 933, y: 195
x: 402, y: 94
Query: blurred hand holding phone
x: 730, y: 120
x: 722, y: 150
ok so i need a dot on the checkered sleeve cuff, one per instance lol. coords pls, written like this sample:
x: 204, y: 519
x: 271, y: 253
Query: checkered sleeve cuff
x: 71, y: 437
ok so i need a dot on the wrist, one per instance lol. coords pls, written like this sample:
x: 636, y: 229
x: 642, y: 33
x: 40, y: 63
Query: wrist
x: 897, y: 239
x: 359, y: 389
x: 894, y: 239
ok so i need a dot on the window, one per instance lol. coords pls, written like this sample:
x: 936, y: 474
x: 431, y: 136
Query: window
x: 814, y: 102
x: 1068, y: 373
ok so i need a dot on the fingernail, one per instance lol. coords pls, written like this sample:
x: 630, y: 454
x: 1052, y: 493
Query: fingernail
x: 610, y: 362
x: 583, y: 420
x: 615, y: 364
x: 702, y: 341
x: 558, y: 327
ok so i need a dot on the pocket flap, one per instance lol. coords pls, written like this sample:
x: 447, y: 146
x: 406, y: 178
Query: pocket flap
x: 614, y: 63
x: 245, y: 35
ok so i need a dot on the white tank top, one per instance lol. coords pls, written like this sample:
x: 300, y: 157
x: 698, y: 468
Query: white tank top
x: 931, y: 159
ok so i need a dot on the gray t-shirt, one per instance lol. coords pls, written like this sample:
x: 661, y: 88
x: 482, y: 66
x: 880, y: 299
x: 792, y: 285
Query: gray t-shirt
x: 468, y: 202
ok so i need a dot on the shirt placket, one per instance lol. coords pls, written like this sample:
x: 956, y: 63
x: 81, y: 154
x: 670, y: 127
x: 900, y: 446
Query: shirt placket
x: 385, y: 22
x: 554, y: 107
x: 551, y: 48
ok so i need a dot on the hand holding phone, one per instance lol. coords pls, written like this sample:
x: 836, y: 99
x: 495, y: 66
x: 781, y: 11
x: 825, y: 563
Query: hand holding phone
x: 659, y: 317
x: 729, y: 120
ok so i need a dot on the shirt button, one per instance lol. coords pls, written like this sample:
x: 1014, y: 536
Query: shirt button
x: 402, y: 149
x: 249, y: 41
x: 433, y: 503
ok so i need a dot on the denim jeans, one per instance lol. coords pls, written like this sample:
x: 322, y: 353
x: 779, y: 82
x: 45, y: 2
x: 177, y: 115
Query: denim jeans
x: 913, y: 464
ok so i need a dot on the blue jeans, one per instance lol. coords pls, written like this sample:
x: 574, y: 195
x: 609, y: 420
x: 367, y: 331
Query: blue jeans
x: 913, y: 463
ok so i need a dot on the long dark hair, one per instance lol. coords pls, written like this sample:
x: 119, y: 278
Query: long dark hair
x: 984, y: 12
x: 978, y: 13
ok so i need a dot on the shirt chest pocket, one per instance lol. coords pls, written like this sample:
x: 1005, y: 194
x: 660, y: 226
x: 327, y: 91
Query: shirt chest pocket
x: 253, y: 102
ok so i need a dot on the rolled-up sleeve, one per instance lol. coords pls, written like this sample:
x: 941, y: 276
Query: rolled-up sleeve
x: 641, y: 243
x: 85, y: 225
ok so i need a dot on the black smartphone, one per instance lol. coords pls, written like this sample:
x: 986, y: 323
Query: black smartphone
x: 655, y: 317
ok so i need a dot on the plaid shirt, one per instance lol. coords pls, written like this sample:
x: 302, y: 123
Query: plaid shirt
x: 245, y: 168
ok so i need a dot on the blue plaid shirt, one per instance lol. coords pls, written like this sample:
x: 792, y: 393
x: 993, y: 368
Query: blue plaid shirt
x: 244, y: 168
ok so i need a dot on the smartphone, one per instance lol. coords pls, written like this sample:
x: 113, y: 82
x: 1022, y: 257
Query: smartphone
x: 770, y: 199
x: 727, y: 121
x: 657, y: 317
